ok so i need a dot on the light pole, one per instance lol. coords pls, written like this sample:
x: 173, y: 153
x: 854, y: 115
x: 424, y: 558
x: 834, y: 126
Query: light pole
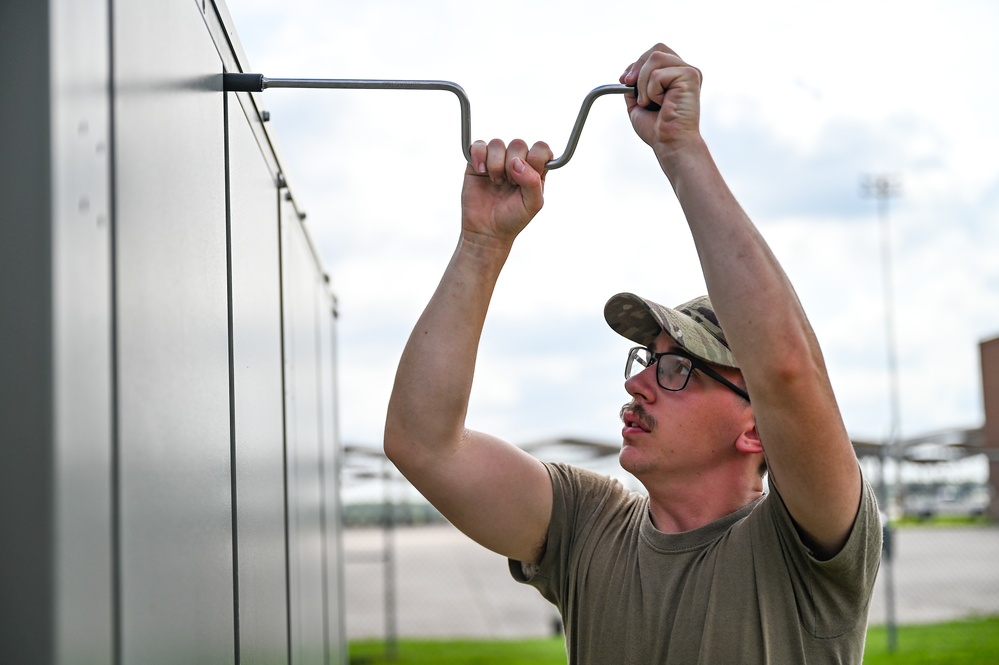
x: 883, y: 188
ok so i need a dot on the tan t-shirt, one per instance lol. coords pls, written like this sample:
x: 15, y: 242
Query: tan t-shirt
x: 743, y: 589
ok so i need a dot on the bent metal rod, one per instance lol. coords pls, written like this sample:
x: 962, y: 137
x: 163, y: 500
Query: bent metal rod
x: 238, y: 82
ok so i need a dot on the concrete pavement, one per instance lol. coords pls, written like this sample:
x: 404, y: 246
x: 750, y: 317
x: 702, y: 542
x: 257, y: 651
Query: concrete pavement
x: 447, y: 586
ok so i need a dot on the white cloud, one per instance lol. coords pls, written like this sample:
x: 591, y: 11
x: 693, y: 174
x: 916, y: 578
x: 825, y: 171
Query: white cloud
x: 799, y: 103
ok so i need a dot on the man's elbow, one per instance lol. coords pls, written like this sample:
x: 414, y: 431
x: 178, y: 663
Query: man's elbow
x: 401, y: 431
x: 394, y: 442
x: 797, y: 365
x: 411, y: 444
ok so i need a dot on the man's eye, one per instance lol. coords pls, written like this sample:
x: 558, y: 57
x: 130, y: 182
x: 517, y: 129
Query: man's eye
x: 676, y: 366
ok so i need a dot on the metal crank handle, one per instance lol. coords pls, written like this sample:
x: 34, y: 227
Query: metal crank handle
x: 237, y: 82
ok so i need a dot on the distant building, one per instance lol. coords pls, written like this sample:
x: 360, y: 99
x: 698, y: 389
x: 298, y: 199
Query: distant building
x: 989, y: 350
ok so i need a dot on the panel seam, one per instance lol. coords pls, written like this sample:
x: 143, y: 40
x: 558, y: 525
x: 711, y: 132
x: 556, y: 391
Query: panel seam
x: 232, y: 382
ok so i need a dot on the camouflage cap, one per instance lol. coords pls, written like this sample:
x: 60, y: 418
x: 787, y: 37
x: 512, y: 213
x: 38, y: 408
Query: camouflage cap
x: 693, y: 325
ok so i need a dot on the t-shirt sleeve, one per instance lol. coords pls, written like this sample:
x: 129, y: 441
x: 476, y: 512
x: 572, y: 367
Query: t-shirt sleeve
x: 577, y: 495
x: 830, y: 591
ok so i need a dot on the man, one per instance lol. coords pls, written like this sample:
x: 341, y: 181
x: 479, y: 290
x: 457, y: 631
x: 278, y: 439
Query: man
x: 706, y: 568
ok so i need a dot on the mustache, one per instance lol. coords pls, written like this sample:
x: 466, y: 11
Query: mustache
x: 641, y: 415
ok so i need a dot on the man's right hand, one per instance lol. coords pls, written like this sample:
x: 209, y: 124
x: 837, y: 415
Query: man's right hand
x: 503, y: 190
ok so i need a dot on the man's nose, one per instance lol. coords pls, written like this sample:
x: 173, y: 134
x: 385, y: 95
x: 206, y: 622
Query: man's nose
x: 643, y: 384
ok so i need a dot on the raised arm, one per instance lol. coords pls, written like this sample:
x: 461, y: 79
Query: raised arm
x: 809, y: 453
x: 491, y: 490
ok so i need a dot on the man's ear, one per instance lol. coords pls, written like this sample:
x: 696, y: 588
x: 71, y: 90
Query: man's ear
x: 749, y: 441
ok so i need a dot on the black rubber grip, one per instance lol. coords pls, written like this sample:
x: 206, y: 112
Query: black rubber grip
x: 651, y: 106
x: 236, y: 82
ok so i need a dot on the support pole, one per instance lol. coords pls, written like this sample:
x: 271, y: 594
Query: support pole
x: 882, y: 188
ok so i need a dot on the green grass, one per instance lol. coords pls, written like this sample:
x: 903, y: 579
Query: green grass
x: 971, y: 642
x: 466, y: 652
x: 944, y: 520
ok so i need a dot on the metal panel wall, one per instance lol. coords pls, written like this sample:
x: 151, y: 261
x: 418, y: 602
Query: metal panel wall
x: 152, y: 483
x: 55, y: 445
x: 304, y: 456
x: 26, y: 383
x: 257, y: 396
x: 174, y: 494
x: 82, y: 349
x: 336, y: 627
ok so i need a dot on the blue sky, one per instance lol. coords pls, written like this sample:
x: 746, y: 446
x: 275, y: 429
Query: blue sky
x: 800, y: 102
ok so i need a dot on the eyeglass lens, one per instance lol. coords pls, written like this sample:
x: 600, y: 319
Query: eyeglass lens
x: 672, y: 371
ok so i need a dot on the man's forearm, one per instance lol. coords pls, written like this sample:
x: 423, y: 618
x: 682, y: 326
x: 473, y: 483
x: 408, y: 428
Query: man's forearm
x: 807, y: 447
x: 749, y: 289
x: 429, y: 400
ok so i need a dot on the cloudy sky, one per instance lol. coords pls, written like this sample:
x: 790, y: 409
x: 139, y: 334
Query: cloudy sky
x: 799, y: 105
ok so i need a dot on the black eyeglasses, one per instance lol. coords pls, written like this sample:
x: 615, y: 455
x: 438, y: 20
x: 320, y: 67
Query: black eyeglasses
x: 673, y: 369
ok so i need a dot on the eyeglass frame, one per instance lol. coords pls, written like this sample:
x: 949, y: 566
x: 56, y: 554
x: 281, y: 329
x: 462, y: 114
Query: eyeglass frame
x: 695, y: 364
